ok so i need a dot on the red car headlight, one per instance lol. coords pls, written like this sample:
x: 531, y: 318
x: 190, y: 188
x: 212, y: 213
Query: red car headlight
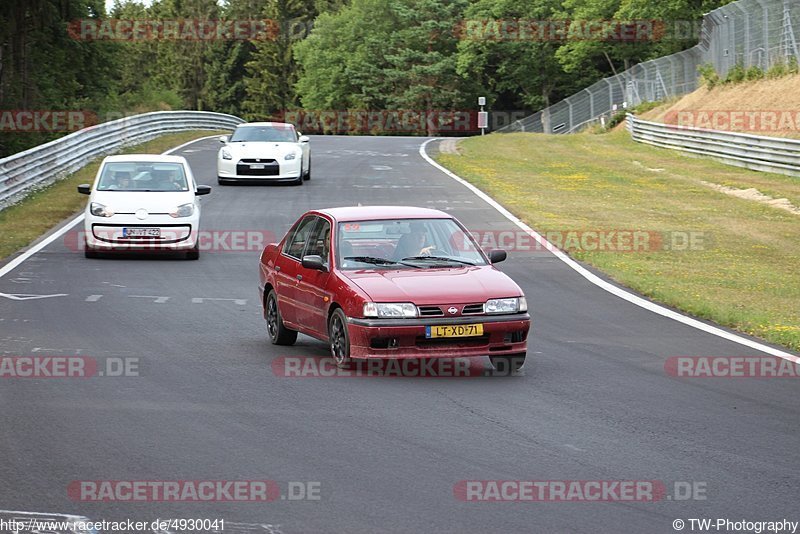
x: 508, y: 305
x: 389, y: 309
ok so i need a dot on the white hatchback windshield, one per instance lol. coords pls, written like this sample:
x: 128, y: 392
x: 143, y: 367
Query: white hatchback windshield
x: 142, y: 176
x: 405, y: 244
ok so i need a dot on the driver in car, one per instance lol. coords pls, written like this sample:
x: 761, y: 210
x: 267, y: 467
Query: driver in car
x: 122, y: 181
x: 413, y: 243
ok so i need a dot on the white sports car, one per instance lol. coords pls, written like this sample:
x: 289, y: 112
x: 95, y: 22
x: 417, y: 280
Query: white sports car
x: 264, y: 151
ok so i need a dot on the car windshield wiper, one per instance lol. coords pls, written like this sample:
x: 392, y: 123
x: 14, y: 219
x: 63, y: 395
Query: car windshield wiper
x: 438, y: 258
x: 371, y: 259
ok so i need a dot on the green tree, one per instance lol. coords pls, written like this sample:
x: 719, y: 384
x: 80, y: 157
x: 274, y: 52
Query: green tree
x: 384, y: 54
x: 514, y: 69
x: 272, y: 71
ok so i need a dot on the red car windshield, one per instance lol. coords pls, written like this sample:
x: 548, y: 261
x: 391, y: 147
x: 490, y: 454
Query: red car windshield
x: 405, y: 244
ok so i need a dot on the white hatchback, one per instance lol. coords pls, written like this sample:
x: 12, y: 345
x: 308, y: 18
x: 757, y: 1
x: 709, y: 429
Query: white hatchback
x: 141, y: 203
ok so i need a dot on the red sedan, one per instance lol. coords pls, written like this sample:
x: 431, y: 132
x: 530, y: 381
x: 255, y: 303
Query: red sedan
x: 392, y: 282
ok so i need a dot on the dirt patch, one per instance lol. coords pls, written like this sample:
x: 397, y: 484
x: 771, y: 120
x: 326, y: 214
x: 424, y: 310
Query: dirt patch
x: 756, y: 195
x: 449, y: 146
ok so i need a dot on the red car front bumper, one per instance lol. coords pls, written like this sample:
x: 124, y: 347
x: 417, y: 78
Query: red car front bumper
x: 405, y: 338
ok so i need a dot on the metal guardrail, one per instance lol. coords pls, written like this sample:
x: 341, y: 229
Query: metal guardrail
x: 768, y: 154
x: 46, y: 163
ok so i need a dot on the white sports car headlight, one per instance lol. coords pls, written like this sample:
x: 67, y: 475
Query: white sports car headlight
x: 510, y: 305
x: 99, y: 210
x: 226, y: 154
x: 184, y: 210
x: 289, y: 157
x: 389, y: 309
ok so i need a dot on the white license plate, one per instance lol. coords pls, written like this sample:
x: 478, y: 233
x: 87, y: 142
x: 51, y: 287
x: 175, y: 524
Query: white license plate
x: 141, y: 232
x: 257, y: 166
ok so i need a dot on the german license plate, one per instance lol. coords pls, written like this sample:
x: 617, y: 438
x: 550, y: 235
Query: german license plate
x: 455, y: 330
x: 141, y: 232
x: 257, y: 166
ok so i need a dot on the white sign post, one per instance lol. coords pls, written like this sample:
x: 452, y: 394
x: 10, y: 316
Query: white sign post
x: 483, y: 117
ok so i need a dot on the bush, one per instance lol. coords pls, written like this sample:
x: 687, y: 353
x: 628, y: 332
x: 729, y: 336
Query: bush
x: 754, y: 73
x: 646, y: 106
x: 616, y: 119
x: 778, y: 70
x: 708, y: 75
x: 737, y: 74
x: 793, y: 67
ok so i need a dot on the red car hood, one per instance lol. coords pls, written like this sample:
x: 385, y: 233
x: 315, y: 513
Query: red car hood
x: 436, y: 286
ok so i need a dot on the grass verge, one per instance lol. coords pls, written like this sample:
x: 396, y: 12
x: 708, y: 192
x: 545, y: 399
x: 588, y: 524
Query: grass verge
x: 25, y: 221
x: 741, y: 272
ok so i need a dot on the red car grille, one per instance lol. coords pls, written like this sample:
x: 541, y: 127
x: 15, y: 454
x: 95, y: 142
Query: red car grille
x: 437, y: 311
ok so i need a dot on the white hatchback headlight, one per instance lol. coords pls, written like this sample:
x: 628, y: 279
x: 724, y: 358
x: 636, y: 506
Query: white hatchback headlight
x: 99, y: 210
x: 509, y: 305
x: 184, y: 210
x: 389, y: 309
x: 226, y: 154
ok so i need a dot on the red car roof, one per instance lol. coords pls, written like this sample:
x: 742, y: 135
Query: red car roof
x: 372, y: 213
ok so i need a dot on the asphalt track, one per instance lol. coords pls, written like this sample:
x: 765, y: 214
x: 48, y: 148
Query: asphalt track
x: 594, y: 403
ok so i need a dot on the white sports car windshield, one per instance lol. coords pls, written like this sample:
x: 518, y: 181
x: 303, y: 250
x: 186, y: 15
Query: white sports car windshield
x: 264, y: 134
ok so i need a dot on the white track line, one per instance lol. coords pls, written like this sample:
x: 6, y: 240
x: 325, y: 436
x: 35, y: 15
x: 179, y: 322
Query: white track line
x: 13, y: 264
x: 599, y: 282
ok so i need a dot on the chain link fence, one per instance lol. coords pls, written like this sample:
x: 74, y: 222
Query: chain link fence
x: 749, y: 33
